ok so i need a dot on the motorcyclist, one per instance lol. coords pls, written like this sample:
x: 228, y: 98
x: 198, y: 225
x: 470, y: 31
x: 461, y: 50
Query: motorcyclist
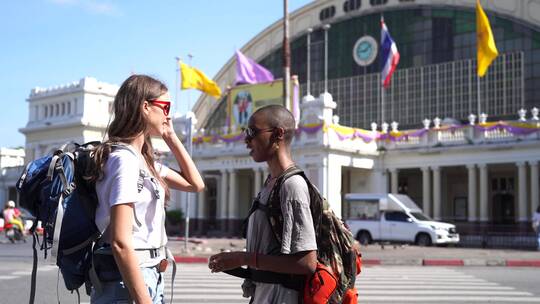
x: 12, y: 215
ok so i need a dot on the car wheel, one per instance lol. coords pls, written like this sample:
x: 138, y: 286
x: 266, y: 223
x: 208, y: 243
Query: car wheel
x: 423, y: 240
x: 364, y: 238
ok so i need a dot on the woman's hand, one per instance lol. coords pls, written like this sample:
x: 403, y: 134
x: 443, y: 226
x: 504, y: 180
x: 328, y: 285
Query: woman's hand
x: 168, y: 131
x: 227, y: 261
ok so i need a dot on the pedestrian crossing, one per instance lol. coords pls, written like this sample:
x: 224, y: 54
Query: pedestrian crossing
x: 378, y: 284
x: 433, y: 285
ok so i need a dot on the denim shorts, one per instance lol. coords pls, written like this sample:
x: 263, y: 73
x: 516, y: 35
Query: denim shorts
x: 117, y: 292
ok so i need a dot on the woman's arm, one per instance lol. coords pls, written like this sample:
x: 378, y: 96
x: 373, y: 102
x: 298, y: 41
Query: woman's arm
x: 190, y: 179
x: 124, y: 254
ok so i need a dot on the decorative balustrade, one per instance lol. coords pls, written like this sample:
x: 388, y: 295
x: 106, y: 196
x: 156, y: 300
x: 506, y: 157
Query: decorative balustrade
x: 335, y: 135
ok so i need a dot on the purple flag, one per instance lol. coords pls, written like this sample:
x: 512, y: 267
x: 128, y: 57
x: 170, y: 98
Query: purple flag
x: 248, y: 71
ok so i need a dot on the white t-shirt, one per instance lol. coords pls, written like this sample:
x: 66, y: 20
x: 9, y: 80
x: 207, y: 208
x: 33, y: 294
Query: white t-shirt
x: 119, y: 186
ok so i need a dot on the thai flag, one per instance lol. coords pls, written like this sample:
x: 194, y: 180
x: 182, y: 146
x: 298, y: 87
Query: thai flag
x: 389, y: 53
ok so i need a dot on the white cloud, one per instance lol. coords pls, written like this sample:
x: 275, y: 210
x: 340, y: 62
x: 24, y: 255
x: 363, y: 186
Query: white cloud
x: 94, y: 6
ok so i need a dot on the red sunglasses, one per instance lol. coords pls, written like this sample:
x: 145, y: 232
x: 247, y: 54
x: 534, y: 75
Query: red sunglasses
x: 164, y: 105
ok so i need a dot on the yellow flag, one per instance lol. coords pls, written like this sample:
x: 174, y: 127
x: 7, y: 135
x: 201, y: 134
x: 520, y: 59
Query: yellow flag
x: 192, y: 78
x: 486, y: 48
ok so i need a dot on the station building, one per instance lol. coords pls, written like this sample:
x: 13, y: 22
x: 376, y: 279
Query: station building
x: 466, y: 150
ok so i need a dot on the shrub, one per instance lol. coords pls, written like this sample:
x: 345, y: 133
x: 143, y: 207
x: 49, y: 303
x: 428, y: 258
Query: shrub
x: 174, y: 216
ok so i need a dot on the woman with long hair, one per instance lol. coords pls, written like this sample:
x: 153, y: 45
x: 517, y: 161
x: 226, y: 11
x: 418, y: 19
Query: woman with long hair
x: 132, y: 189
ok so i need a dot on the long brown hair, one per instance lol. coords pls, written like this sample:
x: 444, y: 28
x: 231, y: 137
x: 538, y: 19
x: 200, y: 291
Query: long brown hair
x: 129, y: 122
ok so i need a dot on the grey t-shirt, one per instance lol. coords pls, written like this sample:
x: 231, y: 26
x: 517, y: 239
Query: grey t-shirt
x: 298, y: 234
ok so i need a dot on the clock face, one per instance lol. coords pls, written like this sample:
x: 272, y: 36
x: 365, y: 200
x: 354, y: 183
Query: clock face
x: 365, y: 51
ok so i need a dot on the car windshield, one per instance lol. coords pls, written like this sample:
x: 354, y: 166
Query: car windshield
x: 421, y: 217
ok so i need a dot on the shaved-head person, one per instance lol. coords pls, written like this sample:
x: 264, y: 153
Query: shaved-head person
x: 271, y: 255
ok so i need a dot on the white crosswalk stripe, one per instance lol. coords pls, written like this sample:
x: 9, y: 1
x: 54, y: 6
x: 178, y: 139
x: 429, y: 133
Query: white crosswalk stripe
x: 380, y: 284
x: 23, y: 273
x: 432, y: 285
x: 196, y: 284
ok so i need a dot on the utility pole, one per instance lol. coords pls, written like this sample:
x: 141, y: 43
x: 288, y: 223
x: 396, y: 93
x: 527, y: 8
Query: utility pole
x: 308, y: 84
x: 286, y: 56
x: 189, y: 142
x: 177, y: 85
x: 326, y: 27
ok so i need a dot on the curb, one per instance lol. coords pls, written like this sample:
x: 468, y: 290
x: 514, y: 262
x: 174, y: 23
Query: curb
x: 442, y: 262
x: 523, y: 263
x: 409, y: 262
x: 190, y: 260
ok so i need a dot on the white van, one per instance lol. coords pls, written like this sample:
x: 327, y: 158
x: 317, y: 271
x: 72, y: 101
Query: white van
x: 394, y: 218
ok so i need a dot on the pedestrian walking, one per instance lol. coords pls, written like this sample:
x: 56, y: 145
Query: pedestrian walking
x: 132, y: 189
x: 268, y: 136
x: 536, y: 225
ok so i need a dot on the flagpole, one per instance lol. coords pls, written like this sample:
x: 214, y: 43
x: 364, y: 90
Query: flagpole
x: 190, y: 56
x: 286, y: 56
x: 326, y: 27
x: 176, y: 101
x: 309, y: 31
x: 189, y: 140
x: 478, y: 107
x: 381, y: 79
x: 382, y: 102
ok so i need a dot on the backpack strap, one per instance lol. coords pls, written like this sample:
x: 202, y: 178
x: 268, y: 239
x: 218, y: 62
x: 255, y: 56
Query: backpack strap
x: 273, y: 213
x: 34, y: 268
x: 274, y: 201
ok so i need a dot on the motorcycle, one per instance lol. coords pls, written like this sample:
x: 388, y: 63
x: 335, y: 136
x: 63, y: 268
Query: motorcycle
x: 13, y: 233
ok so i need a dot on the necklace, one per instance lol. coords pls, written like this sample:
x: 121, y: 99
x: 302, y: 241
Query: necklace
x: 271, y: 178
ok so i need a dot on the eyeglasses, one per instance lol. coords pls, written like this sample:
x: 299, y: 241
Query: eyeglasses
x: 164, y: 105
x: 251, y: 132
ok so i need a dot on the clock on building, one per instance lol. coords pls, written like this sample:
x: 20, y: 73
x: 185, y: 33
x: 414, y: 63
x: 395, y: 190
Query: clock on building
x: 365, y: 50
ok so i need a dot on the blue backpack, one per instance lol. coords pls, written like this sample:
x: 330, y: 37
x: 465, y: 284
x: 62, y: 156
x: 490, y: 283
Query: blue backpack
x: 58, y: 190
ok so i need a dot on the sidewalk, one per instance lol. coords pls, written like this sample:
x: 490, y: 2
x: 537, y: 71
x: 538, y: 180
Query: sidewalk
x: 200, y: 249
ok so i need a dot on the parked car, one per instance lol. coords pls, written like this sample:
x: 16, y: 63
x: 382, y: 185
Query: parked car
x: 394, y: 218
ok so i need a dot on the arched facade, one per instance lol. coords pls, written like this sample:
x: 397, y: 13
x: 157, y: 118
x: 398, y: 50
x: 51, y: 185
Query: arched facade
x: 437, y: 43
x: 472, y: 171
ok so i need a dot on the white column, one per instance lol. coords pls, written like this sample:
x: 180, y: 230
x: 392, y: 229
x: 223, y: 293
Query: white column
x: 201, y: 208
x: 471, y: 201
x: 483, y: 192
x: 201, y: 204
x: 535, y: 199
x: 426, y: 191
x: 333, y: 187
x: 522, y: 191
x: 223, y: 196
x: 437, y: 193
x: 394, y: 174
x: 257, y: 181
x: 323, y: 177
x: 233, y: 196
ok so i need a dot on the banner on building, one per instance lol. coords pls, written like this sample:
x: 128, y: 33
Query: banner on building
x: 243, y: 100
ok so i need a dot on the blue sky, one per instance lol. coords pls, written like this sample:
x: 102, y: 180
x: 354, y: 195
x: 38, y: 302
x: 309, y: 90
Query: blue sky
x: 53, y: 42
